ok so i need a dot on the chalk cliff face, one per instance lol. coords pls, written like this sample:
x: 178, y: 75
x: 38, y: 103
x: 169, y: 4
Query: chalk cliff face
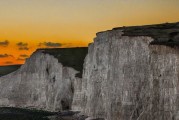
x: 132, y: 74
x: 43, y: 82
x: 129, y: 73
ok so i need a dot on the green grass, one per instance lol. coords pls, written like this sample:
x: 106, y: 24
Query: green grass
x: 4, y: 70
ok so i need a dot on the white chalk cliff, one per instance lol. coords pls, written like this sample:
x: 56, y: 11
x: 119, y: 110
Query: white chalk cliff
x: 132, y: 73
x: 42, y: 82
x: 129, y: 73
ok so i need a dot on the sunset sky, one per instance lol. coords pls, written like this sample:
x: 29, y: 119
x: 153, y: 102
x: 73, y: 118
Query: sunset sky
x: 26, y: 25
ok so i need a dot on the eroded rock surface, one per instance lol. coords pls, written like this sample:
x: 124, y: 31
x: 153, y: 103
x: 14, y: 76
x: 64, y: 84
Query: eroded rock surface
x: 132, y: 74
x: 43, y: 82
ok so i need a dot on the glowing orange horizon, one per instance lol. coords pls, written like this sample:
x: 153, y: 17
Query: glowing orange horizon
x: 71, y: 23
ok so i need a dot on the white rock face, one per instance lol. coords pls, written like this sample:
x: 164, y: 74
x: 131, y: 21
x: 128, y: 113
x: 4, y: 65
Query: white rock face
x: 41, y: 83
x: 126, y: 78
x: 129, y: 74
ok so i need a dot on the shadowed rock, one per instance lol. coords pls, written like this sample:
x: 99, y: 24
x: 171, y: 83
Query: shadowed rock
x: 4, y: 70
x: 69, y: 57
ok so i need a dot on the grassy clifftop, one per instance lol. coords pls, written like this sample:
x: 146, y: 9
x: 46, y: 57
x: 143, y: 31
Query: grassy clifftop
x: 163, y: 34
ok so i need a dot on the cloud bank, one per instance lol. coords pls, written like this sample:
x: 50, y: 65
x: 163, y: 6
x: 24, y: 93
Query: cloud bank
x: 23, y: 56
x: 5, y: 55
x: 22, y: 46
x: 4, y: 43
x: 21, y: 59
x: 50, y: 44
x: 8, y: 62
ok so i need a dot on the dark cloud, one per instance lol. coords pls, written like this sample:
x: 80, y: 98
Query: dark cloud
x: 21, y: 59
x: 50, y: 44
x: 4, y: 43
x: 9, y: 62
x: 22, y: 46
x: 24, y: 56
x: 5, y: 55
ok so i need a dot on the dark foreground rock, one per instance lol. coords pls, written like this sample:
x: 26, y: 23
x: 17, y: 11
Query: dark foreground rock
x: 10, y: 113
